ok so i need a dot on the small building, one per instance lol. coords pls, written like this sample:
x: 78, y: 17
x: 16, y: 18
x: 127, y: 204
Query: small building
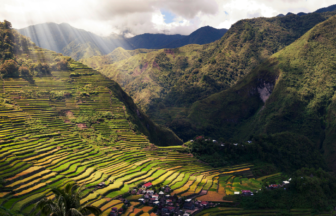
x: 204, y: 204
x: 246, y: 192
x: 161, y: 193
x: 236, y: 193
x: 101, y: 185
x: 186, y: 214
x: 249, y: 142
x: 189, y: 204
x: 285, y: 182
x: 150, y: 192
x: 147, y: 185
x: 141, y: 200
x: 156, y: 203
x: 171, y: 209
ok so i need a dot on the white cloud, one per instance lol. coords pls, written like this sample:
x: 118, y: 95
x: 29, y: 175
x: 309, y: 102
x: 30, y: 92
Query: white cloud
x: 105, y: 17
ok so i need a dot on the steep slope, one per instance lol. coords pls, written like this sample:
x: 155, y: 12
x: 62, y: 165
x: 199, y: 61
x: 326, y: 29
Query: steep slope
x: 32, y: 62
x: 201, y: 36
x: 80, y: 44
x: 293, y: 91
x: 165, y: 83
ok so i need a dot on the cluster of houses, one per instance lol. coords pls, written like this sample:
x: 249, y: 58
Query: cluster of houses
x: 116, y: 212
x: 167, y: 204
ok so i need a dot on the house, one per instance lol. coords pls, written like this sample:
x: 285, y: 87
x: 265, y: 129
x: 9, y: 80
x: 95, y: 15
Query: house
x: 161, y: 193
x: 141, y: 200
x: 204, y: 204
x: 249, y: 142
x: 285, y: 182
x: 214, y: 141
x: 236, y: 193
x: 167, y: 190
x: 134, y: 191
x: 150, y: 192
x: 164, y: 211
x: 156, y: 203
x: 151, y: 201
x: 235, y: 144
x: 101, y: 185
x: 120, y: 211
x: 186, y: 214
x: 171, y: 209
x: 189, y: 204
x: 147, y: 185
x: 246, y: 192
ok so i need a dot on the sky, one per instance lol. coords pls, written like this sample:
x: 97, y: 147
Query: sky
x: 133, y: 17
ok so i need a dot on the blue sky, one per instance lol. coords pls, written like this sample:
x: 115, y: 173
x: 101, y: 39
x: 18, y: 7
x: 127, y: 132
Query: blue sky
x: 168, y: 16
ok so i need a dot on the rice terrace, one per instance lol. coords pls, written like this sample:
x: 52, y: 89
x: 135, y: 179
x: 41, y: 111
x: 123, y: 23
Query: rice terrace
x: 44, y: 144
x: 237, y: 121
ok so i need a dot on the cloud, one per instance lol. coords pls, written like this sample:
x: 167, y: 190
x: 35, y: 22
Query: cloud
x: 132, y: 17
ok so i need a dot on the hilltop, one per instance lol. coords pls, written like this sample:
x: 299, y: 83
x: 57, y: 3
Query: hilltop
x: 78, y: 43
x: 165, y: 83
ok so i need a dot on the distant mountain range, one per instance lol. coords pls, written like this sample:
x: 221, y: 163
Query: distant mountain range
x: 80, y: 44
x: 321, y: 10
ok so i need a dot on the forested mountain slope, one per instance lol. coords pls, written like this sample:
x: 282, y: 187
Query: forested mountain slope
x: 119, y: 54
x: 293, y: 91
x: 166, y: 82
x: 80, y: 44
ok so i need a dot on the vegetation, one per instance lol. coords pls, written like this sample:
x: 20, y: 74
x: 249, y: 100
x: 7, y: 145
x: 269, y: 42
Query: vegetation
x: 66, y: 203
x: 86, y: 130
x: 309, y: 188
x: 286, y: 151
x: 166, y: 83
x: 291, y: 92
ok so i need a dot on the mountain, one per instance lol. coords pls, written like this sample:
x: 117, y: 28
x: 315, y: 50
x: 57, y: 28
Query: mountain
x: 321, y: 10
x: 165, y: 83
x: 202, y: 35
x: 293, y: 91
x: 80, y: 44
x: 70, y: 41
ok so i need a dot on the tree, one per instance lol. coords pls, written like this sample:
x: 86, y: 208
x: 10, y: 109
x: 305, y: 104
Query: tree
x: 66, y: 203
x: 9, y: 68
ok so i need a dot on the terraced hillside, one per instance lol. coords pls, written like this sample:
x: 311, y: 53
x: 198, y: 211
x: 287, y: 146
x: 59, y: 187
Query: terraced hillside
x: 71, y: 124
x: 84, y: 138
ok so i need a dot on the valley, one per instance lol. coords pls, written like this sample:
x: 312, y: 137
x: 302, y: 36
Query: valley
x: 218, y: 122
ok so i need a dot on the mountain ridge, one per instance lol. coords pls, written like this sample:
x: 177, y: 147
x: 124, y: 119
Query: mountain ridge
x: 79, y: 43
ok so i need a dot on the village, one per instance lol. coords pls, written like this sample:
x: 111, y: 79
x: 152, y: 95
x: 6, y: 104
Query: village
x: 163, y: 203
